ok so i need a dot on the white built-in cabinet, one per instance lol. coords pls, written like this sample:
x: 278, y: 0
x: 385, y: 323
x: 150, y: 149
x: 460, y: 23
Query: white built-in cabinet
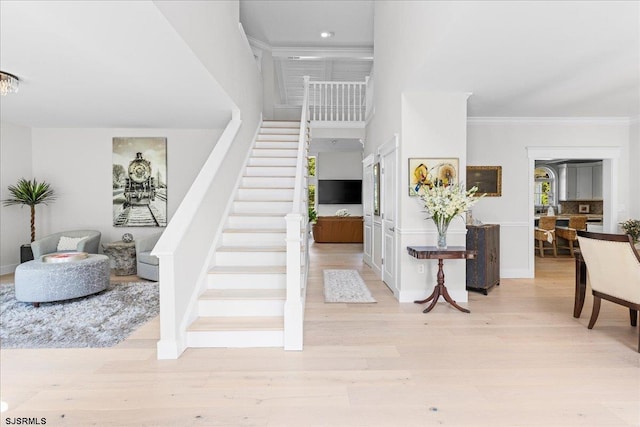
x: 580, y: 181
x: 597, y: 181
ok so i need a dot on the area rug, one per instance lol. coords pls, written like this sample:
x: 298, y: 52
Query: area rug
x: 100, y: 320
x: 345, y: 286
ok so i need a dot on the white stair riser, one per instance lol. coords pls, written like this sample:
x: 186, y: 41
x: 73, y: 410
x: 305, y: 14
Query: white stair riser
x: 272, y: 161
x: 246, y: 281
x: 240, y: 308
x: 245, y: 239
x: 229, y: 258
x: 273, y: 152
x: 235, y: 339
x: 290, y: 145
x: 262, y: 207
x: 270, y: 171
x: 280, y: 131
x: 262, y: 182
x: 278, y: 138
x: 270, y: 194
x: 251, y: 222
x: 280, y: 124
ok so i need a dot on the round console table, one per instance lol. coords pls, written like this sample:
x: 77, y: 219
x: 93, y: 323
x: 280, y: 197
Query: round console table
x: 123, y: 257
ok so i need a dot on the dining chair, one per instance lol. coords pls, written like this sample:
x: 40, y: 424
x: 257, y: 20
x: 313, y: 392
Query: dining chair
x: 569, y: 234
x: 545, y: 232
x: 613, y: 271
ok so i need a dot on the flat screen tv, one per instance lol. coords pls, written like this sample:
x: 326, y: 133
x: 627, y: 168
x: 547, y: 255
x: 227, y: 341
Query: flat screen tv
x: 340, y: 191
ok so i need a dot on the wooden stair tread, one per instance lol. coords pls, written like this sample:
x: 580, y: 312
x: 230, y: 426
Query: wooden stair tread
x: 258, y: 214
x: 251, y: 269
x: 284, y: 199
x: 266, y: 188
x: 282, y: 248
x: 244, y: 294
x: 282, y: 230
x: 202, y: 324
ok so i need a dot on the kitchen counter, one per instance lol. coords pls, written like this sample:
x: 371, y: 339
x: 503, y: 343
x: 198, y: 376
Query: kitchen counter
x: 590, y: 217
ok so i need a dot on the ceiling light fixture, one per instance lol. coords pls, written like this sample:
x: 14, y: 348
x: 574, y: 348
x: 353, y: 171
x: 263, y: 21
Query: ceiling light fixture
x: 327, y: 34
x: 8, y: 83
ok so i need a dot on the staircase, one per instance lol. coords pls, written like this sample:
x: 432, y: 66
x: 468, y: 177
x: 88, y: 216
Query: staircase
x: 243, y: 305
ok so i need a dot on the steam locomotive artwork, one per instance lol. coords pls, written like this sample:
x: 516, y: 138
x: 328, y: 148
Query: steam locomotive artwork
x: 139, y: 185
x: 139, y: 188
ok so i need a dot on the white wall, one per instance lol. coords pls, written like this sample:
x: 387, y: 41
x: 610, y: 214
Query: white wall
x: 496, y: 142
x: 433, y: 125
x: 339, y: 165
x: 15, y: 229
x: 78, y: 163
x: 634, y: 172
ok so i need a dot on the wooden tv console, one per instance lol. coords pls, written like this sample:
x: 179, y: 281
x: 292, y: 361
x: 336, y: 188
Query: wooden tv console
x: 338, y: 229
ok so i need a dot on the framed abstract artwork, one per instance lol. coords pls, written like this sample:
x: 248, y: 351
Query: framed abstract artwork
x: 488, y: 179
x: 431, y: 171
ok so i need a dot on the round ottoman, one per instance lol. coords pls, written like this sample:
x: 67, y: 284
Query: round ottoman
x: 38, y: 281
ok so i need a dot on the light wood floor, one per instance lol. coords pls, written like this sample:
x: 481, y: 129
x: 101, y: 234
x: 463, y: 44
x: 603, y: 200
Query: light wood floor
x: 519, y: 359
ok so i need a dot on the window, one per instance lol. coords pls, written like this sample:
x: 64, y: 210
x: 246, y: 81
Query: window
x: 544, y: 193
x: 311, y: 170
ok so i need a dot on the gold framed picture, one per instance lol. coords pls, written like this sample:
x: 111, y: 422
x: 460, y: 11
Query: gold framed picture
x: 431, y: 171
x: 488, y: 179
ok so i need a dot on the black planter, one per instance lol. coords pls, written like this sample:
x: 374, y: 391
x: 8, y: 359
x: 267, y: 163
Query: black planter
x: 25, y: 253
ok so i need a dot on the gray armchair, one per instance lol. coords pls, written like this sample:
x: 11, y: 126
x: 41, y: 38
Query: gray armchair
x: 148, y: 265
x: 49, y: 244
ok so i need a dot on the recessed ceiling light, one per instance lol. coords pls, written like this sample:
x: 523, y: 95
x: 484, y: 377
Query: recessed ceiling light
x: 327, y: 34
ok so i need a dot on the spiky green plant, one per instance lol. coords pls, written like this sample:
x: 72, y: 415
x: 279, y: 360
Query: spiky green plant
x: 30, y: 193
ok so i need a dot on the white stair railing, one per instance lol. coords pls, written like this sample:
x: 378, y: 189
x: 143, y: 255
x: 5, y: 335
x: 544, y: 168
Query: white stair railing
x: 298, y: 240
x: 337, y: 101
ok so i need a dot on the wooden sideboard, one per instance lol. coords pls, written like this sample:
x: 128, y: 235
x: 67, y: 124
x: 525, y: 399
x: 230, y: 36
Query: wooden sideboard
x: 338, y: 229
x: 483, y: 272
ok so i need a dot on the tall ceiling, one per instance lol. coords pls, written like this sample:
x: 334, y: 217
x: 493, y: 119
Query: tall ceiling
x: 518, y: 59
x: 103, y: 64
x: 291, y: 31
x: 120, y: 64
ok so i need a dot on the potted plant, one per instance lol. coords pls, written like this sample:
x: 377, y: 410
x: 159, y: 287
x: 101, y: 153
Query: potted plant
x: 632, y: 228
x: 30, y: 193
x: 313, y: 215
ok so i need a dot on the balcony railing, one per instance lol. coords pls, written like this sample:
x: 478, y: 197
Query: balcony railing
x: 337, y: 101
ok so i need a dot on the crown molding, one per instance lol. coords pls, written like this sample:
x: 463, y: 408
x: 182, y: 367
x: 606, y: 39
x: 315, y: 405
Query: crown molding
x: 259, y: 44
x: 364, y: 53
x: 549, y: 120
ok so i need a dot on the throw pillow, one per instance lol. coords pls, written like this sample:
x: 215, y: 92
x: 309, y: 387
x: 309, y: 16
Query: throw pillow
x: 69, y: 243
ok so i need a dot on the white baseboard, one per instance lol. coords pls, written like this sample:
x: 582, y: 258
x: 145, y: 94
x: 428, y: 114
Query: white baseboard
x: 516, y: 273
x: 8, y: 269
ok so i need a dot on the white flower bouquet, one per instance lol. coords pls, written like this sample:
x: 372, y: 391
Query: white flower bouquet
x: 443, y: 203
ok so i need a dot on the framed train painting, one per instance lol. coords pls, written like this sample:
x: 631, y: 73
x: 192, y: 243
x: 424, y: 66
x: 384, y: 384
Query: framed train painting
x: 139, y: 182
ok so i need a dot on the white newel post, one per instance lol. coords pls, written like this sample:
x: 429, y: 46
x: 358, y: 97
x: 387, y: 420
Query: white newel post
x: 293, y: 309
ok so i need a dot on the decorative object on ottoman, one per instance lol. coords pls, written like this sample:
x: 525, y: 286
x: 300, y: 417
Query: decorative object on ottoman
x: 148, y: 265
x: 127, y: 237
x: 123, y: 257
x: 72, y: 240
x: 65, y: 257
x: 38, y: 281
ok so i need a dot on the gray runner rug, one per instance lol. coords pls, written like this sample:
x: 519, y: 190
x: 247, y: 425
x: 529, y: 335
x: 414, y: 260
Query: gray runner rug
x: 345, y: 286
x: 100, y: 320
